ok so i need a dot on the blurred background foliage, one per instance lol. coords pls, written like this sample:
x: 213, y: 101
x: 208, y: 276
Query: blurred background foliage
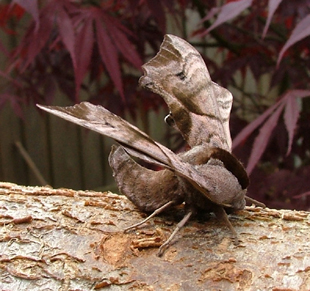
x: 93, y: 50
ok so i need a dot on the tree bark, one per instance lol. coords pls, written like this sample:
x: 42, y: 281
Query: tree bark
x: 61, y: 239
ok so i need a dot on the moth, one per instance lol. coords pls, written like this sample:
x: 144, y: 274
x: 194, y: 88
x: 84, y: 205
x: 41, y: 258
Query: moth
x: 207, y: 177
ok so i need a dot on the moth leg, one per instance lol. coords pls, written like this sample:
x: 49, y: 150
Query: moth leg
x: 157, y: 211
x: 253, y: 201
x: 179, y: 226
x: 222, y: 215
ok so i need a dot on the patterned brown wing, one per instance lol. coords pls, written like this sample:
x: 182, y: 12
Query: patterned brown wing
x: 200, y: 108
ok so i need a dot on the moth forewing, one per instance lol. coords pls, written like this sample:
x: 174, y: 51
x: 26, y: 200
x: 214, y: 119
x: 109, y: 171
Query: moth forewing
x: 200, y: 108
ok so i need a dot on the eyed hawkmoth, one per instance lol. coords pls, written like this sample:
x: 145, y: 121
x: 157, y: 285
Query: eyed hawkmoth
x: 207, y: 177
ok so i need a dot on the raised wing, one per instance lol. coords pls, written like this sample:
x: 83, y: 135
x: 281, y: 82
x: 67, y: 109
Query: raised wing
x: 199, y: 107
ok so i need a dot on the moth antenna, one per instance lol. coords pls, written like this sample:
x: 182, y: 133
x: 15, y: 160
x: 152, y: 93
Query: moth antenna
x: 179, y: 226
x: 157, y: 211
x: 255, y: 202
x: 222, y: 215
